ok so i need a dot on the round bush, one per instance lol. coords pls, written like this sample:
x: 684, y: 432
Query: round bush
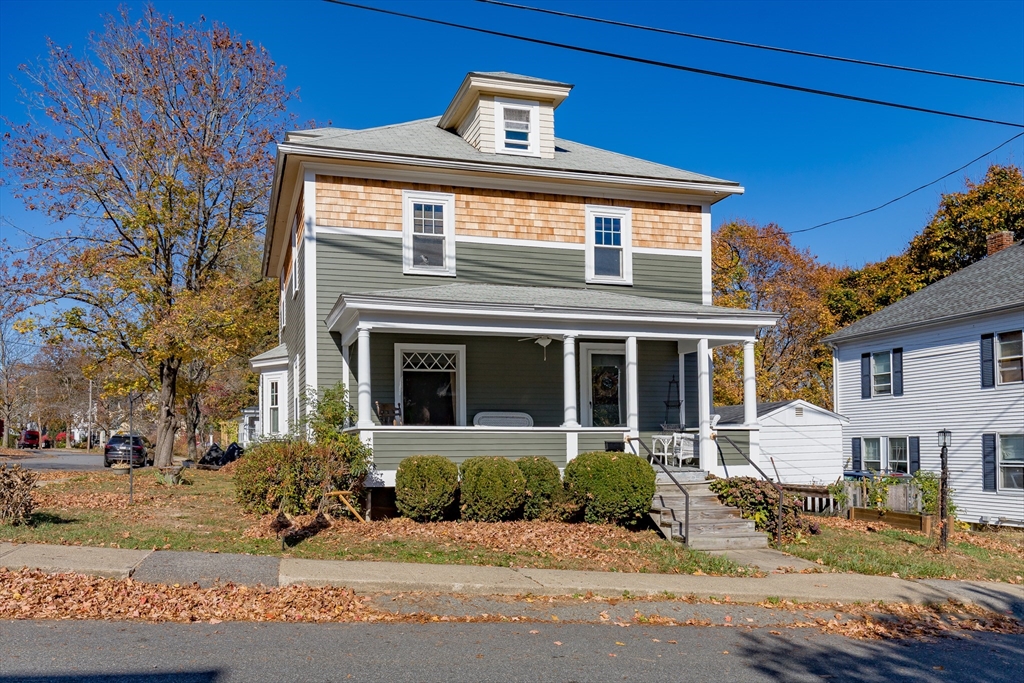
x: 493, y: 489
x: 542, y: 484
x: 611, y: 487
x: 425, y: 487
x: 293, y: 475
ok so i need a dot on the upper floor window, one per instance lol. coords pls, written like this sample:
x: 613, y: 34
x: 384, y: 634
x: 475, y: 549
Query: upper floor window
x: 296, y: 241
x: 881, y: 374
x: 517, y: 124
x: 428, y: 231
x: 609, y: 245
x: 1010, y: 351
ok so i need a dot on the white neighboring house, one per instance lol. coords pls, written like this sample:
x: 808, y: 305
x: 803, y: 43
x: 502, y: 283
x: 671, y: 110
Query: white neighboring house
x: 274, y: 391
x: 805, y: 441
x: 947, y: 357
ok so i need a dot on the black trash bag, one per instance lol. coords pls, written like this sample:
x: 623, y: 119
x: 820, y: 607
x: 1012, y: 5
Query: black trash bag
x: 214, y: 456
x: 233, y: 453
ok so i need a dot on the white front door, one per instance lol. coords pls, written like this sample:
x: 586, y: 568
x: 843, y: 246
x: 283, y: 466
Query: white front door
x: 603, y: 384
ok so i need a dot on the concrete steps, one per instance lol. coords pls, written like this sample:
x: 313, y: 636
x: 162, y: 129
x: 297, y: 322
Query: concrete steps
x: 713, y: 526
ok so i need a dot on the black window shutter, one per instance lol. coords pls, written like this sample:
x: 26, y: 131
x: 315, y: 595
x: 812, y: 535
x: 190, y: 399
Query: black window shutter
x: 988, y: 362
x: 865, y: 375
x: 988, y: 461
x: 897, y: 372
x: 855, y: 450
x: 914, y: 447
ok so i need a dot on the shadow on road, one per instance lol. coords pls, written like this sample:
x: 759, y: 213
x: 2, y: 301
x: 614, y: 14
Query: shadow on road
x: 146, y: 677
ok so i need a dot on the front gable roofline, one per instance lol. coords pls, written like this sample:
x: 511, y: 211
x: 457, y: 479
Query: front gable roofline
x: 734, y: 414
x: 855, y: 336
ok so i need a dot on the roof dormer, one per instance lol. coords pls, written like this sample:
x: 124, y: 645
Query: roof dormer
x: 504, y: 113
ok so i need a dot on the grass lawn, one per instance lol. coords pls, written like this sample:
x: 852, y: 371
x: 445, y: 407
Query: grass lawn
x: 873, y: 548
x: 92, y: 509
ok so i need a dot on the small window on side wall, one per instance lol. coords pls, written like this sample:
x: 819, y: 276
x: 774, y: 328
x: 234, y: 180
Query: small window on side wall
x: 609, y: 245
x: 1010, y: 352
x: 428, y: 233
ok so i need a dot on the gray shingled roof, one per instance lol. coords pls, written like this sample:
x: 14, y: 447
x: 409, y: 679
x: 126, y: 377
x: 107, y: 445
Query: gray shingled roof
x: 549, y: 297
x: 278, y: 352
x: 994, y: 283
x: 424, y: 139
x: 734, y: 414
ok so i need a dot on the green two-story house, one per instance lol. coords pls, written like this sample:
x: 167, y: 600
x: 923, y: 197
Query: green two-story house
x: 482, y: 287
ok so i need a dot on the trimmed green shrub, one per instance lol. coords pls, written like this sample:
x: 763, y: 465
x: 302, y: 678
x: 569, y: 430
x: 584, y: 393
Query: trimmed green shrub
x: 611, y: 487
x: 425, y: 487
x: 758, y: 500
x: 295, y: 476
x: 543, y: 483
x: 493, y: 489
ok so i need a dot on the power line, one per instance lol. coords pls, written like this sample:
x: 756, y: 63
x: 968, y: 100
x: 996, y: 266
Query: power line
x: 727, y: 41
x: 907, y: 194
x: 677, y: 67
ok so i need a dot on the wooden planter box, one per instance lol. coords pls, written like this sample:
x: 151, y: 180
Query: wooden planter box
x: 901, y: 520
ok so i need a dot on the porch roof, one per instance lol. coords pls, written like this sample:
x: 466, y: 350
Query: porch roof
x: 523, y: 309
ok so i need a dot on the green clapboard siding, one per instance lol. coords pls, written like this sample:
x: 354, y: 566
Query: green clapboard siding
x: 390, y: 447
x: 690, y: 373
x: 732, y: 457
x: 591, y: 441
x: 657, y: 364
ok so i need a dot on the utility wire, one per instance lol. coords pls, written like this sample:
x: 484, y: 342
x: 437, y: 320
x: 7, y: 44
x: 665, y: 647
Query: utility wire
x: 677, y: 67
x: 757, y: 46
x: 904, y: 196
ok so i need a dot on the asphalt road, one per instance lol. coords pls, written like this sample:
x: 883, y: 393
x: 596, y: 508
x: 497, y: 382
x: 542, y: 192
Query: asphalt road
x: 94, y: 651
x: 58, y: 459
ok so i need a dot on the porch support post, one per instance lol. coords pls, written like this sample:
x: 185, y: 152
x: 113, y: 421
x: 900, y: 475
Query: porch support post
x: 708, y: 453
x: 570, y: 418
x: 365, y: 409
x: 632, y: 387
x: 749, y: 385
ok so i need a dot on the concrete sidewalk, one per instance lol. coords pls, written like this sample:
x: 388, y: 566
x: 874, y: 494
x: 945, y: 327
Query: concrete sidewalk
x: 206, y: 569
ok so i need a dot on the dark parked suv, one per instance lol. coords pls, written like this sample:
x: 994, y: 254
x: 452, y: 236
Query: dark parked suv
x: 116, y: 450
x: 29, y: 439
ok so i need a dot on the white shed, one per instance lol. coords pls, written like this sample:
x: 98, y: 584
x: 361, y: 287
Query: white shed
x: 804, y: 441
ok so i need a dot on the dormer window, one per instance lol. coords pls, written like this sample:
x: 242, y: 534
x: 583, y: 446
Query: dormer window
x: 518, y: 126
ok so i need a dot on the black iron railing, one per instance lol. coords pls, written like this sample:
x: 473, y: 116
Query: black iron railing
x: 686, y: 494
x: 777, y: 485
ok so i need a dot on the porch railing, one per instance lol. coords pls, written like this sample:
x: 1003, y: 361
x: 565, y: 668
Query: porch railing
x: 777, y: 485
x: 659, y: 459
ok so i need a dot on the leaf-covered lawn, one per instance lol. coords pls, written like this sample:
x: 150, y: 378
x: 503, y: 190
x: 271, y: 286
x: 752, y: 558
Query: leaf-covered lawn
x: 874, y: 548
x: 92, y: 509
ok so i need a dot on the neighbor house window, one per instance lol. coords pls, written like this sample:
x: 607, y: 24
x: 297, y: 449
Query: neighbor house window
x: 296, y: 241
x: 275, y: 408
x: 898, y: 460
x: 1010, y: 351
x: 428, y: 231
x: 1011, y: 460
x: 609, y: 245
x: 873, y: 455
x: 430, y: 385
x: 517, y: 124
x: 881, y: 374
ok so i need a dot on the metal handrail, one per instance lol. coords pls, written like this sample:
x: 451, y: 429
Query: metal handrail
x: 686, y: 494
x: 777, y: 485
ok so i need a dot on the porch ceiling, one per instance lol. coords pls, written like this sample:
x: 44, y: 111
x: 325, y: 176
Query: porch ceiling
x: 483, y: 309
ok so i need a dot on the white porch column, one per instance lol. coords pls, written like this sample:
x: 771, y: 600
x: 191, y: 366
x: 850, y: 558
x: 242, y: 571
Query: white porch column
x: 708, y: 452
x: 365, y: 408
x: 632, y: 388
x: 570, y: 417
x: 749, y: 385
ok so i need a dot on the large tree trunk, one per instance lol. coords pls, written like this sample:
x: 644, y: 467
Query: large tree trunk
x: 166, y: 422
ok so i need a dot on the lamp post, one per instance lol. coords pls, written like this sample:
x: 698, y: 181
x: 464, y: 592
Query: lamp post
x: 945, y: 438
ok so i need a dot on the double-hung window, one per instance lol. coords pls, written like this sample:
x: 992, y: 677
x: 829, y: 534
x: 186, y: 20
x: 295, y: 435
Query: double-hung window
x: 881, y: 374
x: 296, y: 241
x: 609, y: 245
x: 517, y: 124
x: 898, y: 459
x: 1011, y: 462
x: 873, y: 455
x: 1010, y: 350
x: 275, y: 407
x: 428, y: 233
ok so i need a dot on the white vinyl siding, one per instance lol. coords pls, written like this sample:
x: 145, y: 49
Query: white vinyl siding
x: 943, y: 361
x: 805, y: 449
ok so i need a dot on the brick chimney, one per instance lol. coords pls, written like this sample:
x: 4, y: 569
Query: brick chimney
x: 998, y: 241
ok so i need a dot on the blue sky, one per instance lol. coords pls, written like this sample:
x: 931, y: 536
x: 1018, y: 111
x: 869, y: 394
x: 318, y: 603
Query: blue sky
x: 803, y: 159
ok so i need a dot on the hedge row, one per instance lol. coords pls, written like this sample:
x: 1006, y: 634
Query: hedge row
x: 599, y: 487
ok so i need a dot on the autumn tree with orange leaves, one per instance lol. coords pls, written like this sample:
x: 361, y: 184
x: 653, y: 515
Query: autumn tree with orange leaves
x: 757, y: 267
x: 155, y: 143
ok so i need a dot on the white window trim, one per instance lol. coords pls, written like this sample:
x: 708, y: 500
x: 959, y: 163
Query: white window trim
x: 499, y: 126
x: 883, y: 451
x: 282, y: 312
x: 460, y: 374
x: 888, y: 448
x: 281, y: 378
x: 625, y: 214
x: 586, y: 352
x: 448, y: 201
x: 295, y: 258
x: 997, y: 356
x: 999, y: 466
x: 874, y: 394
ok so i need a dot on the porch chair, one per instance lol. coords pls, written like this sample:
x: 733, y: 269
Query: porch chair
x: 389, y: 413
